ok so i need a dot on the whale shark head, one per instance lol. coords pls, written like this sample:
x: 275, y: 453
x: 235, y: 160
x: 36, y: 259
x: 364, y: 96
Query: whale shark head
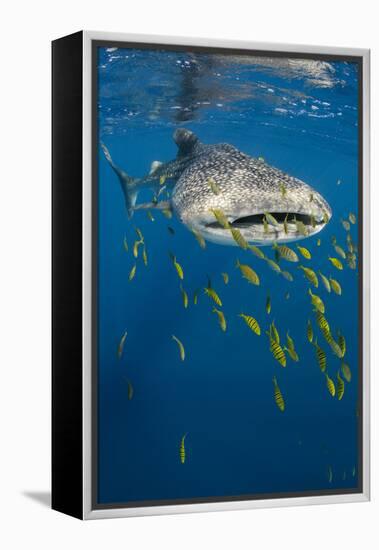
x: 263, y: 203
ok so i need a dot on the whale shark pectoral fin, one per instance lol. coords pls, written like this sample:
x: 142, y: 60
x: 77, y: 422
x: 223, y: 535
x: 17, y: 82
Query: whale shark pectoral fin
x: 128, y: 184
x: 186, y: 142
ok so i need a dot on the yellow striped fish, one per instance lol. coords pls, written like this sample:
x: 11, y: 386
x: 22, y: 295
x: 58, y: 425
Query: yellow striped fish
x: 352, y: 218
x: 239, y: 238
x: 180, y: 346
x: 278, y: 352
x: 278, y: 396
x: 225, y: 278
x: 268, y: 305
x: 195, y: 297
x: 273, y: 333
x: 340, y: 251
x: 214, y: 187
x: 340, y: 387
x: 336, y: 287
x: 126, y: 246
x: 182, y: 449
x: 346, y: 225
x: 184, y: 296
x: 286, y: 253
x: 178, y: 267
x: 346, y: 372
x: 322, y: 322
x: 270, y: 219
x: 144, y: 255
x: 209, y: 291
x: 335, y: 261
x: 199, y: 237
x: 309, y: 331
x: 252, y: 323
x: 321, y: 357
x: 221, y: 218
x: 120, y: 347
x: 325, y: 281
x: 304, y: 252
x: 342, y: 343
x: 221, y: 318
x: 292, y: 353
x: 132, y: 273
x: 287, y: 275
x: 274, y: 266
x: 316, y: 301
x: 310, y: 275
x: 248, y: 273
x: 257, y: 251
x: 136, y: 246
x: 330, y: 385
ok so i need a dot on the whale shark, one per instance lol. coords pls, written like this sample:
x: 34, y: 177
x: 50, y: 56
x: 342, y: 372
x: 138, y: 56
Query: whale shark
x: 265, y: 204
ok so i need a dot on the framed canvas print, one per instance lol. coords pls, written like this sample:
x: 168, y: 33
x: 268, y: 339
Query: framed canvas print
x: 210, y: 275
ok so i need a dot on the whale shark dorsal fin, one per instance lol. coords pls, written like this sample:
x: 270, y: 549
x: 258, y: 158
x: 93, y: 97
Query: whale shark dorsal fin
x: 154, y: 166
x: 186, y: 141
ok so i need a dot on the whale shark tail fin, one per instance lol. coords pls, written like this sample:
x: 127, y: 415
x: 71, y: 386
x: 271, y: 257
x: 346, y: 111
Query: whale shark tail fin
x: 128, y: 184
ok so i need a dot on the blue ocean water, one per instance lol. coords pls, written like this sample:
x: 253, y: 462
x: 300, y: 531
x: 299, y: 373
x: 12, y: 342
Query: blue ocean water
x: 302, y: 117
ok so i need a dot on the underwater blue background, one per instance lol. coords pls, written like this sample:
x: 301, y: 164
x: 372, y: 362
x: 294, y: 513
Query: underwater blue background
x: 302, y: 118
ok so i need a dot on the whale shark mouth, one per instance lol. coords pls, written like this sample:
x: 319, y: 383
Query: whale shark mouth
x: 258, y: 219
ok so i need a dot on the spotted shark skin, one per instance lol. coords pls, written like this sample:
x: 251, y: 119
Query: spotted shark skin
x: 246, y: 189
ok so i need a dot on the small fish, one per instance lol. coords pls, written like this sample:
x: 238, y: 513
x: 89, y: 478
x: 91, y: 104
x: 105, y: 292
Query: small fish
x: 221, y: 318
x: 150, y: 216
x: 342, y: 344
x: 287, y: 275
x: 301, y: 228
x: 182, y: 449
x: 209, y: 291
x: 132, y: 273
x: 177, y: 266
x: 325, y: 281
x: 274, y: 333
x: 162, y: 179
x: 195, y: 297
x: 278, y: 396
x: 352, y: 218
x: 130, y: 389
x: 292, y: 353
x: 126, y: 246
x: 333, y: 344
x: 144, y: 256
x: 290, y: 342
x: 257, y: 252
x: 321, y: 357
x: 286, y: 253
x: 167, y: 213
x: 274, y: 266
x: 248, y: 273
x: 184, y: 296
x: 221, y: 218
x: 265, y: 225
x: 325, y: 217
x: 278, y: 352
x: 285, y: 225
x: 214, y: 187
x: 346, y: 225
x: 340, y: 251
x: 318, y: 242
x: 171, y: 230
x: 283, y: 189
x: 139, y: 234
x: 271, y: 220
x: 239, y: 239
x: 346, y: 371
x: 225, y: 278
x: 309, y: 332
x: 310, y: 275
x: 351, y: 261
x: 120, y: 347
x: 287, y: 295
x: 252, y: 323
x: 199, y: 237
x: 330, y: 474
x: 322, y: 323
x: 340, y: 387
x: 304, y: 252
x: 335, y: 261
x: 316, y: 301
x: 313, y: 221
x: 330, y: 385
x: 181, y: 347
x: 268, y: 305
x: 336, y: 287
x: 136, y: 246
